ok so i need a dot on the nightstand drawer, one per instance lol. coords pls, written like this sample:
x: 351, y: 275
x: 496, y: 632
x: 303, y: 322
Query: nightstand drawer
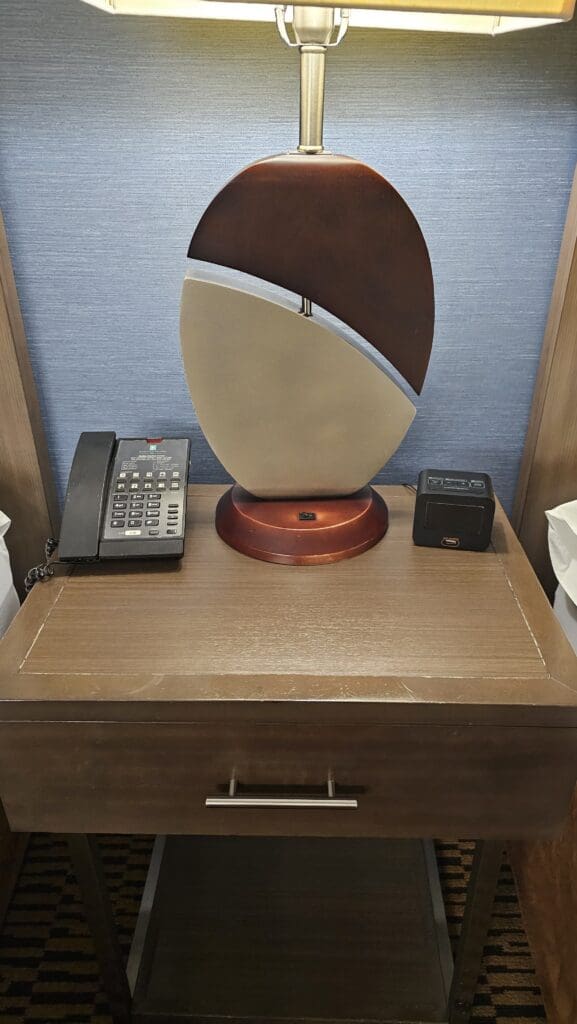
x: 466, y: 781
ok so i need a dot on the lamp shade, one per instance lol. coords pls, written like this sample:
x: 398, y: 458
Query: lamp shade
x: 489, y: 17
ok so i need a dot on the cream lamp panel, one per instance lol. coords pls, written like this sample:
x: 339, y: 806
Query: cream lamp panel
x: 291, y: 408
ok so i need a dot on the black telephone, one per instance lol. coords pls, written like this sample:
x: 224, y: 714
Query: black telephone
x: 125, y: 498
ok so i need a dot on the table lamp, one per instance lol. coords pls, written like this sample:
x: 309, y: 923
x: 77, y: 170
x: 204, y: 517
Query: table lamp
x: 300, y: 411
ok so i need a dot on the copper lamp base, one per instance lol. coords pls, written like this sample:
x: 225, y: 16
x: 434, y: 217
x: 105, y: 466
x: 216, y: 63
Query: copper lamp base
x: 303, y: 531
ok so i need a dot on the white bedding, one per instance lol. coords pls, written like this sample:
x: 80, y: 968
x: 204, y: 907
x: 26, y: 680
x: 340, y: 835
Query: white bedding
x: 9, y: 603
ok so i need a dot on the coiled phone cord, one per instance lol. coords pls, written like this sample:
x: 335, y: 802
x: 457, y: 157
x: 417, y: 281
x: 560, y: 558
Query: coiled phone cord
x: 45, y: 570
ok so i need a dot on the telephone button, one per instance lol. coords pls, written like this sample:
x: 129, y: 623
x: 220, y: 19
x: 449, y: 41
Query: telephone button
x: 147, y: 486
x: 136, y: 476
x: 176, y: 474
x: 149, y: 475
x: 119, y: 504
x: 120, y: 486
x: 174, y: 485
x: 172, y: 531
x: 134, y: 487
x: 135, y: 522
x: 153, y: 533
x: 151, y: 522
x: 162, y: 475
x: 116, y: 523
x: 153, y: 504
x: 161, y: 485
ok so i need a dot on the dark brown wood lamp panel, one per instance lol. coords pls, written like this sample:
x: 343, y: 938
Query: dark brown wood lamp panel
x: 332, y: 229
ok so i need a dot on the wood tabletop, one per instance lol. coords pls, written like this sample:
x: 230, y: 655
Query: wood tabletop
x: 400, y: 633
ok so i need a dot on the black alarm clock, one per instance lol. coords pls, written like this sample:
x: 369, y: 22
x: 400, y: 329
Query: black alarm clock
x: 453, y: 509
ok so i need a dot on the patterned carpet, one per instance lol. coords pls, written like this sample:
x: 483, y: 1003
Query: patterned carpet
x: 48, y: 973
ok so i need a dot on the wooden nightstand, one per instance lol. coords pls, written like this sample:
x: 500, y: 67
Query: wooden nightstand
x: 406, y: 693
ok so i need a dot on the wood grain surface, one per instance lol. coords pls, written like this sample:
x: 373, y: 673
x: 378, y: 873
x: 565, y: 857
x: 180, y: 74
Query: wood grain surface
x: 27, y: 493
x: 438, y: 682
x: 548, y: 473
x: 546, y: 873
x: 330, y: 228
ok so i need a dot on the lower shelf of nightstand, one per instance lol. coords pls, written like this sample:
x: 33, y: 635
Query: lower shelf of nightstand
x: 291, y: 930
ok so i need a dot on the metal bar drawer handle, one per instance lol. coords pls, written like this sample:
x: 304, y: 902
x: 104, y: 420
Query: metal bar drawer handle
x: 232, y: 800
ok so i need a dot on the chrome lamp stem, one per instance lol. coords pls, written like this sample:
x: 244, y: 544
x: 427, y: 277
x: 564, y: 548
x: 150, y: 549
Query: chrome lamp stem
x: 312, y: 98
x: 313, y: 33
x: 313, y: 30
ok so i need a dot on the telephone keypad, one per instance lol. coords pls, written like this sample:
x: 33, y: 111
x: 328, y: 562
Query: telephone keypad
x: 156, y: 502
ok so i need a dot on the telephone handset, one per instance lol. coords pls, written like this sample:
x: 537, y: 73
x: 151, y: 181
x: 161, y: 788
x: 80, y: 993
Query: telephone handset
x: 125, y: 498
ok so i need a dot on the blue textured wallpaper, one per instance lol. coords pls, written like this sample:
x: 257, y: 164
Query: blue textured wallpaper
x: 115, y: 133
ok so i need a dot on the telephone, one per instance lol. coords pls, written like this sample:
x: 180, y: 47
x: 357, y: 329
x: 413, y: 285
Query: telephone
x: 125, y: 498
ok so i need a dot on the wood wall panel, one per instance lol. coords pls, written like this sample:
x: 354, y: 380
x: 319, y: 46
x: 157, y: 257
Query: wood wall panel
x: 27, y: 492
x: 546, y: 872
x: 546, y: 875
x: 548, y: 473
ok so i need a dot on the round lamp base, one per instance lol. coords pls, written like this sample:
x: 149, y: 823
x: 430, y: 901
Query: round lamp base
x: 301, y: 531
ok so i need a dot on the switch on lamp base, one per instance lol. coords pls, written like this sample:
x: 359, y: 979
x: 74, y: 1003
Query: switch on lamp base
x: 301, y: 531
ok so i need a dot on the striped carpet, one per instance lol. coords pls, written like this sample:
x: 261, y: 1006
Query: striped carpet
x: 48, y: 972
